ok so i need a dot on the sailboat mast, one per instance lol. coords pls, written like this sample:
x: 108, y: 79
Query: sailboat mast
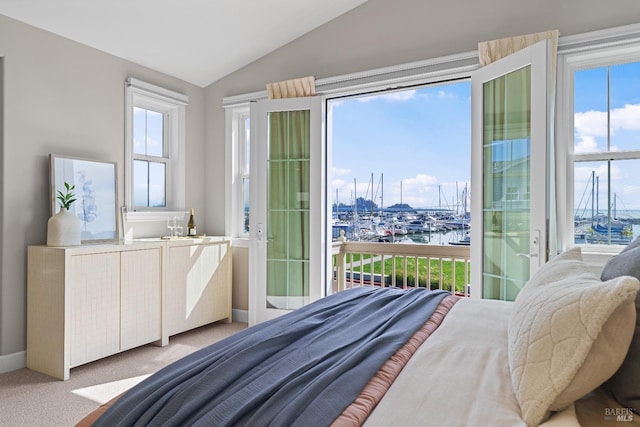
x: 597, y: 196
x: 355, y: 200
x: 382, y: 192
x: 372, y: 201
x: 464, y: 201
x: 457, y: 200
x: 593, y: 192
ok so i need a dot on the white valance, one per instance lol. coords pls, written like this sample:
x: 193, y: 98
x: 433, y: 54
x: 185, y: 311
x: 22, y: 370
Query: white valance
x: 295, y: 88
x: 493, y: 50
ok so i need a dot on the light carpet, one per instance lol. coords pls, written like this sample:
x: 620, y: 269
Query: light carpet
x: 102, y: 393
x: 31, y: 399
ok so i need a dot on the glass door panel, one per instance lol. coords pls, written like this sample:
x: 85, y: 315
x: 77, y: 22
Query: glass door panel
x: 507, y: 161
x: 509, y: 179
x: 287, y: 238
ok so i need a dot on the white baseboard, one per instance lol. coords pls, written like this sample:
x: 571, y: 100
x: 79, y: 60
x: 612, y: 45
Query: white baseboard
x: 13, y: 361
x: 241, y: 316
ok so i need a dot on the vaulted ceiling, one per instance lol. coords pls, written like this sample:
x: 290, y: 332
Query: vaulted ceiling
x: 199, y: 41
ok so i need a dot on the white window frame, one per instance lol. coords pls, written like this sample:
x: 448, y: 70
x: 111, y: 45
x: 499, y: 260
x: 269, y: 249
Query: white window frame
x: 173, y: 107
x: 603, y: 48
x: 235, y: 122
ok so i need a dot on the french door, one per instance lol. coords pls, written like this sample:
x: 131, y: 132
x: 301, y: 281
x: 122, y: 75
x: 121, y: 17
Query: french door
x: 288, y: 243
x: 509, y: 172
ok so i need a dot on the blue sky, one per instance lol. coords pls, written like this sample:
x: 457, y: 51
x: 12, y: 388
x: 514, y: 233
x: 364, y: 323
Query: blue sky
x: 419, y: 139
x: 590, y: 123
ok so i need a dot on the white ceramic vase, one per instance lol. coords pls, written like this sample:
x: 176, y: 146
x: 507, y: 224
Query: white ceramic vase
x: 63, y: 229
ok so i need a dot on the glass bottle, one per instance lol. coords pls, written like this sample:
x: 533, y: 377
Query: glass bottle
x: 191, y: 225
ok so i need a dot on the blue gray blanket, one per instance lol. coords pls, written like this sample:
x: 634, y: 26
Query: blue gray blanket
x: 301, y: 369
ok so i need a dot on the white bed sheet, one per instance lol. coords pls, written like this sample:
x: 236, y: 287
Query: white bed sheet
x: 460, y: 376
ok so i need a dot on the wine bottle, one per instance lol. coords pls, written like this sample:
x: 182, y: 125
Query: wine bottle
x: 191, y: 225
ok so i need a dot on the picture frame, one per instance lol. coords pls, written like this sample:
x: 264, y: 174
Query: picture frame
x: 96, y: 193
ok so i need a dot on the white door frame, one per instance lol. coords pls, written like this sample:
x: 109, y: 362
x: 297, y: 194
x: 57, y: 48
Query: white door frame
x: 258, y: 310
x: 537, y: 57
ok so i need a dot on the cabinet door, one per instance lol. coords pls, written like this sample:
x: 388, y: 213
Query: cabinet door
x: 94, y: 288
x: 197, y: 285
x: 140, y: 297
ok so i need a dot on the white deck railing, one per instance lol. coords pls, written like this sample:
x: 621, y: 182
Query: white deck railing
x: 401, y: 265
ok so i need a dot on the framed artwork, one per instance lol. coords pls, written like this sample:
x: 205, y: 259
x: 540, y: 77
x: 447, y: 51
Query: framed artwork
x: 95, y: 193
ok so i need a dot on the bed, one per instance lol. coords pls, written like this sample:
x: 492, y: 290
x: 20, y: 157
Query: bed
x: 563, y: 354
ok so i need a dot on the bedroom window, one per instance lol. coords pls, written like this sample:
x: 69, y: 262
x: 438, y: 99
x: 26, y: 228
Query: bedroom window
x: 155, y: 140
x: 239, y: 155
x: 605, y: 148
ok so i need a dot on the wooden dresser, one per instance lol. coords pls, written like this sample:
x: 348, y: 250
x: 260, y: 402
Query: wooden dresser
x: 91, y: 301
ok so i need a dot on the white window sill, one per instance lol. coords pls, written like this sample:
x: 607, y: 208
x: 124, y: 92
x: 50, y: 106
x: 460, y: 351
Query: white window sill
x: 154, y: 216
x: 240, y: 242
x: 605, y: 250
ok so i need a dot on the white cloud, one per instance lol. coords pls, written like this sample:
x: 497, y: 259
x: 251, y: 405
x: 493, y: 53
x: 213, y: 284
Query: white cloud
x: 446, y: 95
x: 400, y: 96
x: 586, y: 144
x: 631, y: 190
x: 583, y: 174
x: 627, y: 117
x: 341, y: 172
x: 420, y: 180
x: 590, y: 125
x: 344, y: 190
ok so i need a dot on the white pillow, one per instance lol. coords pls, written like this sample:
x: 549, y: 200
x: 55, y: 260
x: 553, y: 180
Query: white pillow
x: 564, y: 323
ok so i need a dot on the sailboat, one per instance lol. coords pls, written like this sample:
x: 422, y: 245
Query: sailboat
x: 602, y: 228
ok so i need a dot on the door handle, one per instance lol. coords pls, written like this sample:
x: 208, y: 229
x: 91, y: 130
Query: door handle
x: 534, y: 247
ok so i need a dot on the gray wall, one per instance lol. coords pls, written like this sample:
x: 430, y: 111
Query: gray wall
x: 383, y: 33
x: 65, y: 98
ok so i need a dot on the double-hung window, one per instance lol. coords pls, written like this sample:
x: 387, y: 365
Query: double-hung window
x: 238, y: 131
x: 155, y: 148
x: 602, y: 97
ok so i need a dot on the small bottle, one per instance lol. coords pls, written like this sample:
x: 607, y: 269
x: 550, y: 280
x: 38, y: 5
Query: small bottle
x: 191, y: 225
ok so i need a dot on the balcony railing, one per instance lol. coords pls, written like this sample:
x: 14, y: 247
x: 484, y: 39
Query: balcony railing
x: 401, y: 265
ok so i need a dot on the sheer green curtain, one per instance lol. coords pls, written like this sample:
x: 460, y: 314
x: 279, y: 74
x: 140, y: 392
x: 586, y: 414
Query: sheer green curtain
x: 507, y: 173
x: 288, y: 208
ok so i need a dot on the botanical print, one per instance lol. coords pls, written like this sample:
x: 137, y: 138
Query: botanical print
x: 95, y: 184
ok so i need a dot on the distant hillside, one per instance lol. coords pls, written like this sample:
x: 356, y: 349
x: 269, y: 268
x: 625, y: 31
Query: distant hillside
x: 400, y: 207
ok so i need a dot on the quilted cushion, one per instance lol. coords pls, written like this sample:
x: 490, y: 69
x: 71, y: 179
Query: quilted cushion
x: 624, y: 386
x: 567, y: 334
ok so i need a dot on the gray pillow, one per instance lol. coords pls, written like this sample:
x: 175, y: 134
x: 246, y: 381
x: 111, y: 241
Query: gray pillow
x: 625, y: 383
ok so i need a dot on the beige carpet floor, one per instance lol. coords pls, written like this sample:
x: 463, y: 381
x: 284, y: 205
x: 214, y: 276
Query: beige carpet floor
x: 32, y: 399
